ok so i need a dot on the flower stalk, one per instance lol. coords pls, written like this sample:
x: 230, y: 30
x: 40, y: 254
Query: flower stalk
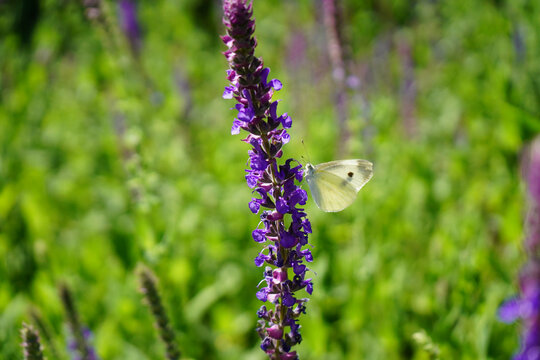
x: 285, y: 228
x: 148, y: 288
x: 31, y: 343
x: 45, y: 333
x: 80, y: 347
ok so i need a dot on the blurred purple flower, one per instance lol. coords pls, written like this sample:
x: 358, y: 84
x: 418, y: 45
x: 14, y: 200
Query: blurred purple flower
x: 526, y: 306
x: 79, y: 345
x: 89, y: 353
x: 93, y: 10
x: 533, y: 173
x: 408, y: 89
x: 275, y: 186
x: 130, y: 24
x: 531, y: 169
x: 296, y: 51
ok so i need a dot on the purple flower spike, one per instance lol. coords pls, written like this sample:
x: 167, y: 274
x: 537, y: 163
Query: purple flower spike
x: 533, y: 177
x: 79, y: 344
x: 31, y: 343
x: 286, y: 227
x: 526, y: 306
x: 130, y: 24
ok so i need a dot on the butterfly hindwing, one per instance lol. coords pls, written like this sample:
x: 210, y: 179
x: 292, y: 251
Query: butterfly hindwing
x: 330, y: 192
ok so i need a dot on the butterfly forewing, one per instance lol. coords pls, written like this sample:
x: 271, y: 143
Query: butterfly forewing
x: 357, y: 172
x: 334, y: 184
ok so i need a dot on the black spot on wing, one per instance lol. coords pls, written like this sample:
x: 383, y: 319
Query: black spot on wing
x: 350, y: 174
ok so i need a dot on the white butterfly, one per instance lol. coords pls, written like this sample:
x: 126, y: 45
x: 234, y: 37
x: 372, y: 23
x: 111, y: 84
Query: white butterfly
x: 334, y: 184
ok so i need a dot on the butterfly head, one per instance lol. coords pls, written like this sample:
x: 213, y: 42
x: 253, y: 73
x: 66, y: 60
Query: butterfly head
x: 309, y: 170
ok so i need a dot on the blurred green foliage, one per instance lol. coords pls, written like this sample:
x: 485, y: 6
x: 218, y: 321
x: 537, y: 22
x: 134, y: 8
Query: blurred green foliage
x: 108, y: 159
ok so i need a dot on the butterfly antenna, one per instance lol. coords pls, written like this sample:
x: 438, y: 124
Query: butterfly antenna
x: 305, y: 150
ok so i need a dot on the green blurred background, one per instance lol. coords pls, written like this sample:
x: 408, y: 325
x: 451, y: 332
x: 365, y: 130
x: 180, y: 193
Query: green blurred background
x: 109, y: 158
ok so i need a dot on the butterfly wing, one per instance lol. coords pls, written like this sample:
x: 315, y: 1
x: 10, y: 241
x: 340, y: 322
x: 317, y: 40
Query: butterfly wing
x: 330, y: 192
x: 356, y: 172
x: 334, y: 185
